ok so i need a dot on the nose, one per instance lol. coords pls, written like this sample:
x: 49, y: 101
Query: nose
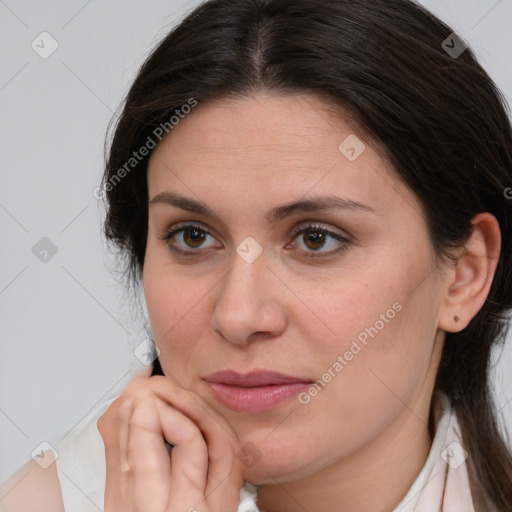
x: 250, y: 303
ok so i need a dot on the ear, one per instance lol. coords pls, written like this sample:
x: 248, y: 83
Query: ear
x: 469, y: 280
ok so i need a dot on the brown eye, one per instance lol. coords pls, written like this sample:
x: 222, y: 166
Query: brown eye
x: 193, y: 237
x: 314, y: 238
x: 187, y: 239
x: 191, y: 240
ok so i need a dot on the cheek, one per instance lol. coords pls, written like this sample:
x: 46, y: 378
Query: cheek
x: 375, y: 342
x: 175, y: 305
x: 348, y: 310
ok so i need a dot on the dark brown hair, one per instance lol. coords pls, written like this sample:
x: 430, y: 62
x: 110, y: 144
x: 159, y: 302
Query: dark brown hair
x: 441, y: 120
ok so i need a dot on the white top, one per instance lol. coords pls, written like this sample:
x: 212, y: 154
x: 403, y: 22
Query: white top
x: 442, y: 484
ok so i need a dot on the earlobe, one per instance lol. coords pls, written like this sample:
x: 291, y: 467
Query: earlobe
x: 470, y: 279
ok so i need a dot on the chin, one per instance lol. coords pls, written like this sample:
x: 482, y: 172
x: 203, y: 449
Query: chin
x: 282, y: 459
x: 268, y: 472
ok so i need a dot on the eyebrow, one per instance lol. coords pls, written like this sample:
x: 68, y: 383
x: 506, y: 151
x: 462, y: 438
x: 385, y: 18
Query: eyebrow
x: 276, y: 214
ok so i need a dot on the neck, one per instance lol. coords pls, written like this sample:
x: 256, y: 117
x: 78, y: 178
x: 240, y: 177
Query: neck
x: 376, y: 477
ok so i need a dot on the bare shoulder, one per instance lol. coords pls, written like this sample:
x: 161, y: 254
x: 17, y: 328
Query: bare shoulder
x: 32, y: 489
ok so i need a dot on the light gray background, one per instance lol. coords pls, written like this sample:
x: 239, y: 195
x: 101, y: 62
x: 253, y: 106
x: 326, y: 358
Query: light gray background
x: 66, y: 334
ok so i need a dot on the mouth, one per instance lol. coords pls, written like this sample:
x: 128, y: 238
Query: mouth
x: 256, y: 391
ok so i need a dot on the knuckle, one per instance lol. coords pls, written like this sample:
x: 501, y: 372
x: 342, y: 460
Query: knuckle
x: 135, y: 390
x: 104, y: 423
x: 124, y: 408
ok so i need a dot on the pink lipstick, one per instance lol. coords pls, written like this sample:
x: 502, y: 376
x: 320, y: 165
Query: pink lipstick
x: 256, y: 391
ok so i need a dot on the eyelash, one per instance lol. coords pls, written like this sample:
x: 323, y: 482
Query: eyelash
x: 301, y: 228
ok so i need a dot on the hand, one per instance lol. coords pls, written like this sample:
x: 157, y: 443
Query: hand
x: 202, y: 472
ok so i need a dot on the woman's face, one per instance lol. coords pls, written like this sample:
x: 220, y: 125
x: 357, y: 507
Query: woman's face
x: 242, y: 292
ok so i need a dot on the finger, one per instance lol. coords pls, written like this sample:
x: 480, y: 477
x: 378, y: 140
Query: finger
x: 148, y: 467
x: 193, y: 406
x: 150, y: 484
x: 223, y: 444
x: 224, y: 468
x: 224, y: 476
x: 124, y: 414
x: 108, y: 426
x: 189, y: 458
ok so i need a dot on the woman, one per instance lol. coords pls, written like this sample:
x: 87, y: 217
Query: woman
x: 313, y: 195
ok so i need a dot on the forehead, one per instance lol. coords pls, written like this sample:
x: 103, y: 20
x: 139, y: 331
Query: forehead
x: 266, y: 144
x: 302, y: 121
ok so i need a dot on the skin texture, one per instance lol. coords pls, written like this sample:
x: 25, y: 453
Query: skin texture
x: 367, y: 429
x: 360, y: 442
x: 203, y: 472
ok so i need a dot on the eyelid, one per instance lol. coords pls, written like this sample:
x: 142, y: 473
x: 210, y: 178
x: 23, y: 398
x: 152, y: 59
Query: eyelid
x: 305, y: 225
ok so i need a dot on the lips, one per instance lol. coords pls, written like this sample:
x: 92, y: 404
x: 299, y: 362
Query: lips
x: 252, y: 379
x: 256, y: 391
